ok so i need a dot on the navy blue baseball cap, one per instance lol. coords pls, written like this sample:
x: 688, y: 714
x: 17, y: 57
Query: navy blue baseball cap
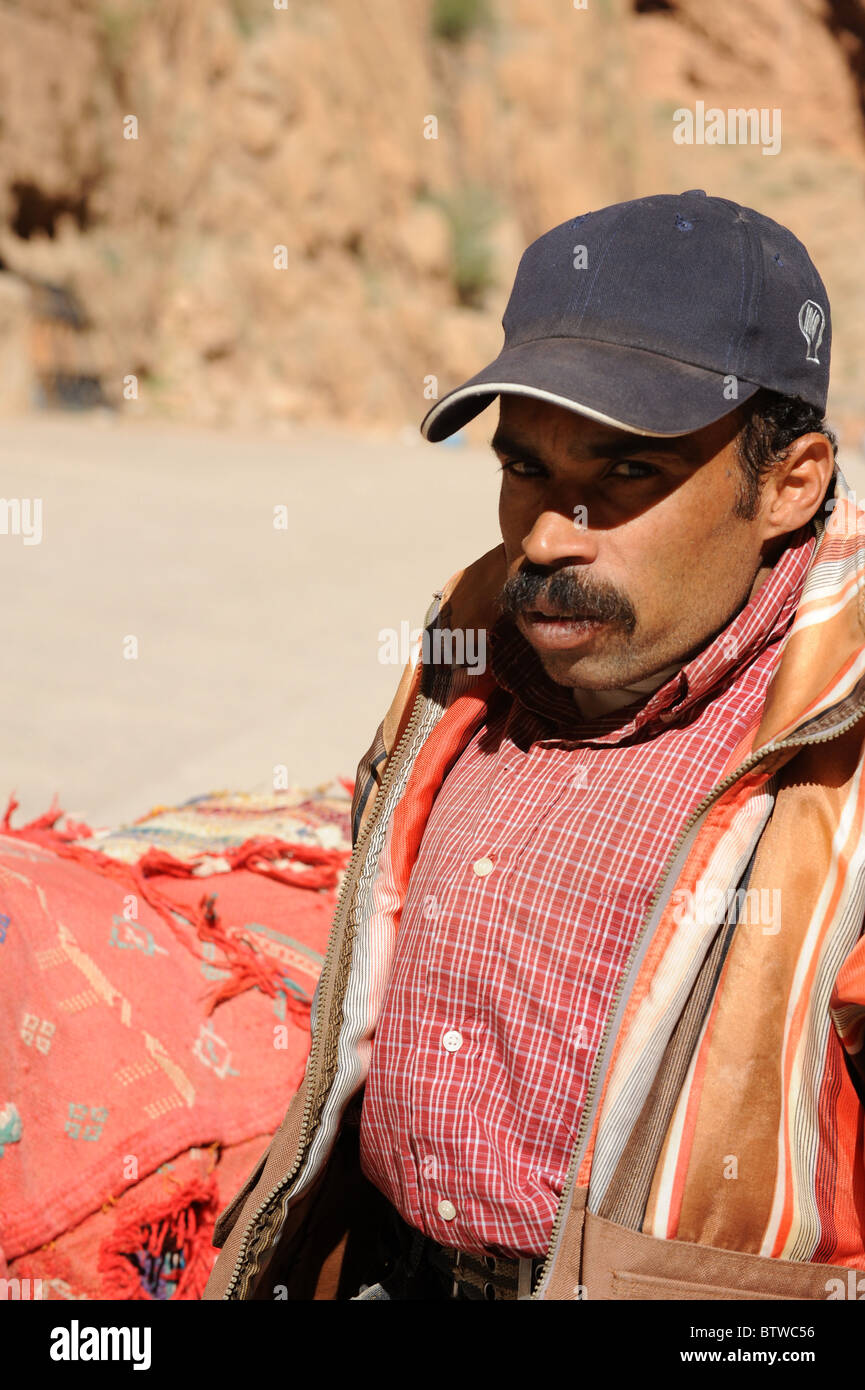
x: 659, y: 316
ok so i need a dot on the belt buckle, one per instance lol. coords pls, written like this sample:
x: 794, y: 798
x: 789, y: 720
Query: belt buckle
x: 492, y: 1289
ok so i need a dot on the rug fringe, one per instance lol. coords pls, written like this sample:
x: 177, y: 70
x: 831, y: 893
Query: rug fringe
x: 250, y: 966
x: 188, y: 1216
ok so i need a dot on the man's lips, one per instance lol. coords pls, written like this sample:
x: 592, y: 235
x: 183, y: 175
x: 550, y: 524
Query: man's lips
x: 553, y: 630
x: 554, y: 615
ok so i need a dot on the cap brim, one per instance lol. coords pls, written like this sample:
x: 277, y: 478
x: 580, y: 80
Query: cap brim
x: 630, y: 388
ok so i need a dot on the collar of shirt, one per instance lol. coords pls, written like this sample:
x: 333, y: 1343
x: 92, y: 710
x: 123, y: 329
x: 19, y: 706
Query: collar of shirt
x: 763, y: 619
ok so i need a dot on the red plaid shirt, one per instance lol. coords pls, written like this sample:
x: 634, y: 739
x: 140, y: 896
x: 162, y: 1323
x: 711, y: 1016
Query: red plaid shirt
x: 535, y: 870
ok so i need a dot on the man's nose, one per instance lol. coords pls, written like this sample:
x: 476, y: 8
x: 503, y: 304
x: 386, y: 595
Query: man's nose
x: 556, y: 536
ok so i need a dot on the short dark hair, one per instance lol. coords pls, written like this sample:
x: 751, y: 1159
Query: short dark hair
x: 771, y: 424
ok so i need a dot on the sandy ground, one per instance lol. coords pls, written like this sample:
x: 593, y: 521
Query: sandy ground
x: 257, y: 647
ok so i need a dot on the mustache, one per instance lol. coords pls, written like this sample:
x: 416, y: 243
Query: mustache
x: 568, y: 592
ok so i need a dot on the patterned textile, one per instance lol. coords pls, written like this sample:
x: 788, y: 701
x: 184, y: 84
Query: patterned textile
x: 534, y: 873
x: 202, y: 829
x: 150, y: 1242
x: 155, y: 984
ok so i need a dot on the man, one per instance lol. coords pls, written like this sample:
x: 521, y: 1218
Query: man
x: 590, y: 1023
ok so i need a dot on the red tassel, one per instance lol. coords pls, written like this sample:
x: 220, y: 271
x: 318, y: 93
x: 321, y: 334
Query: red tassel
x: 250, y: 968
x: 192, y: 1213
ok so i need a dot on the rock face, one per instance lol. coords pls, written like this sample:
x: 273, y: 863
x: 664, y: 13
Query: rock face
x: 269, y: 209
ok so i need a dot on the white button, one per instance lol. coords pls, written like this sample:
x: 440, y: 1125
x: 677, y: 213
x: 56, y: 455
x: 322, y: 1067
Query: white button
x: 482, y: 867
x: 452, y: 1040
x: 447, y: 1210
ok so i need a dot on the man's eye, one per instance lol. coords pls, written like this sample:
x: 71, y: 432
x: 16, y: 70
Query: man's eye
x: 517, y: 466
x: 648, y: 469
x: 523, y: 468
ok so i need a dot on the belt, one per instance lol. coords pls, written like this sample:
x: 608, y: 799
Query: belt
x: 467, y: 1276
x: 489, y: 1277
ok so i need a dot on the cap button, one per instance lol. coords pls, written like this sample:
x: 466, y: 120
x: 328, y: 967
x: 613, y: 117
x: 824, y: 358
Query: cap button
x: 694, y: 193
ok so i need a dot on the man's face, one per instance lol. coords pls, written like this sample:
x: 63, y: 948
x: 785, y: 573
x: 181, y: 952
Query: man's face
x: 639, y: 534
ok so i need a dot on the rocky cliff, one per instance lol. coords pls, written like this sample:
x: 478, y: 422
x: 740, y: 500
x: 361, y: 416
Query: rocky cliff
x: 304, y: 211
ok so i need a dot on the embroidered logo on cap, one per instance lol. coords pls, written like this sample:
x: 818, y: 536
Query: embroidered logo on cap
x: 812, y: 322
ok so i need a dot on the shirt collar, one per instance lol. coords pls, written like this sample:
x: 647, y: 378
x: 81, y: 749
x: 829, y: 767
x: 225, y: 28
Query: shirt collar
x: 764, y: 618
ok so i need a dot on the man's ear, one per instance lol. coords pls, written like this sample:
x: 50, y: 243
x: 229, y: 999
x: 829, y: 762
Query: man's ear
x: 796, y: 486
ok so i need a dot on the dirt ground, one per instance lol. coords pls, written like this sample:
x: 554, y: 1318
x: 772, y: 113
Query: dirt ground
x: 257, y: 646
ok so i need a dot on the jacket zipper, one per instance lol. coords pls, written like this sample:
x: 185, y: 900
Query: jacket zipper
x: 587, y: 1116
x: 392, y: 764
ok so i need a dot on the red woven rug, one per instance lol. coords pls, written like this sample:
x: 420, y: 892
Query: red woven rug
x: 155, y: 985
